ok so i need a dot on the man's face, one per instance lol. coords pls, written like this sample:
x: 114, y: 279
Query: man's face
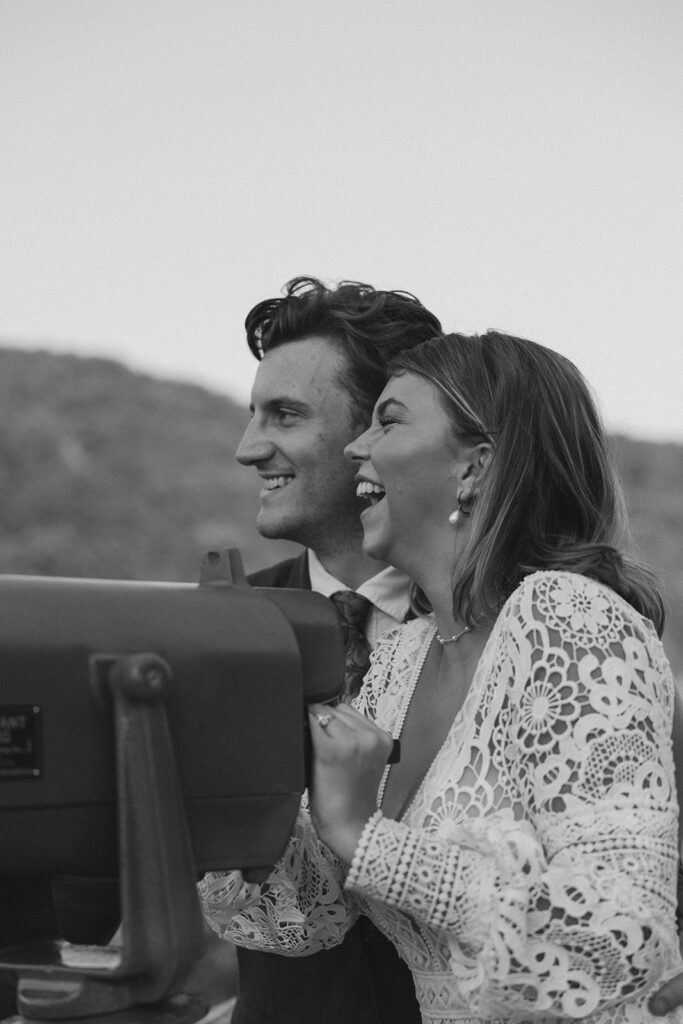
x: 302, y: 418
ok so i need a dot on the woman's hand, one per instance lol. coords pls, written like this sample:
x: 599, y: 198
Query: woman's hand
x: 349, y: 755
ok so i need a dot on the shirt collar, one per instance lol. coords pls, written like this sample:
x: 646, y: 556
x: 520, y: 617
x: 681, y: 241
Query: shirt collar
x: 388, y: 590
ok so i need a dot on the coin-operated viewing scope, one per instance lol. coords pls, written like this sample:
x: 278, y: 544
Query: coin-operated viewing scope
x: 150, y: 731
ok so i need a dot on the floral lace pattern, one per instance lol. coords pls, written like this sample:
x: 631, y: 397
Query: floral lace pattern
x: 301, y: 907
x: 533, y: 876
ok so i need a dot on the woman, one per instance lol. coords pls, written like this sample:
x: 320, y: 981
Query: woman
x: 522, y: 855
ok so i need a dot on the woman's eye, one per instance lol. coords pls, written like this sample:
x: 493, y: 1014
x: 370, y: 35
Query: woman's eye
x: 385, y: 421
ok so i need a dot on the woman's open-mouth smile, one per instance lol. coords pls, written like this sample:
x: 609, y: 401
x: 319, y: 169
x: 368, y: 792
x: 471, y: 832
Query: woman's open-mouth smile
x: 371, y: 492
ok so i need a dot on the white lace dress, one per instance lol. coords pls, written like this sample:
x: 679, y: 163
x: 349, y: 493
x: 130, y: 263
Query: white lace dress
x: 533, y: 876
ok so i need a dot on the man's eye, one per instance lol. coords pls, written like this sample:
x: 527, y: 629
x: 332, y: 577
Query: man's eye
x: 286, y: 415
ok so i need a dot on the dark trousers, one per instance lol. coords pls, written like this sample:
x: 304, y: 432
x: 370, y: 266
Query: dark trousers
x: 36, y: 910
x: 361, y: 981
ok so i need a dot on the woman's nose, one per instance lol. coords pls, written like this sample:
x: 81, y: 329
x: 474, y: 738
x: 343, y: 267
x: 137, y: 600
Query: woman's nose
x: 357, y: 450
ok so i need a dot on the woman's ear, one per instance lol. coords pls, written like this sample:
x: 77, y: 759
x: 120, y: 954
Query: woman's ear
x: 471, y: 470
x: 485, y: 455
x: 478, y: 461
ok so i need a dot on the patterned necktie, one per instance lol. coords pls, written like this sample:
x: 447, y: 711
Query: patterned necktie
x: 353, y: 611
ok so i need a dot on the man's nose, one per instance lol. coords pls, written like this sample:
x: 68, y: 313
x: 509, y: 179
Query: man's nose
x: 255, y: 445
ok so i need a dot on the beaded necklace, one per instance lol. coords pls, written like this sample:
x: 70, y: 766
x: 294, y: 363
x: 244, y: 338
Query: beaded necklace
x: 417, y: 670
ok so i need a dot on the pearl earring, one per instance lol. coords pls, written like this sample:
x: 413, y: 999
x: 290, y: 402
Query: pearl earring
x: 460, y: 510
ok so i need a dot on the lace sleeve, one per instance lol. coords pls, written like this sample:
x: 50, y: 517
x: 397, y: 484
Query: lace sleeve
x: 303, y: 906
x: 300, y: 908
x: 570, y: 909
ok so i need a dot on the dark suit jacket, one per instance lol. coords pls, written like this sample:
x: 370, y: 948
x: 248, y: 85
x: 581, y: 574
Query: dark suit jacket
x: 361, y: 981
x: 291, y: 573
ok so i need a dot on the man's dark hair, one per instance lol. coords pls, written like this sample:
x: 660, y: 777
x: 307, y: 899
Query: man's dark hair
x: 369, y: 326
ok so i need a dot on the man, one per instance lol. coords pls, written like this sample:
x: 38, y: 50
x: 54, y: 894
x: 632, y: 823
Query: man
x: 322, y: 359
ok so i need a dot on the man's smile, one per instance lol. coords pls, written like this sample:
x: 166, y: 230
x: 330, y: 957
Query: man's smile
x: 275, y: 482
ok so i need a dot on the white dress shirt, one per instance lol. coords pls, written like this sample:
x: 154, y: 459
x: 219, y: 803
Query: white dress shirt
x: 388, y: 592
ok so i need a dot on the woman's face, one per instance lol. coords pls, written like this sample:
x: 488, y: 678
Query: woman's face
x: 410, y: 465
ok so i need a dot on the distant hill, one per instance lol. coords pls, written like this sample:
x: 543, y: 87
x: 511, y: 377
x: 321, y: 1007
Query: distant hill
x: 105, y: 472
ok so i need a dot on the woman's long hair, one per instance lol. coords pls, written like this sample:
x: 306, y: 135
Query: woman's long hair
x: 549, y: 498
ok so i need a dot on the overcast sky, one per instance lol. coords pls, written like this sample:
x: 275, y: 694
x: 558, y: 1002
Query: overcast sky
x: 517, y: 164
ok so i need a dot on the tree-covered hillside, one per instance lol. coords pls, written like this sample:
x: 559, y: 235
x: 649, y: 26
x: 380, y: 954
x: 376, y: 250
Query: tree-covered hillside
x: 106, y: 472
